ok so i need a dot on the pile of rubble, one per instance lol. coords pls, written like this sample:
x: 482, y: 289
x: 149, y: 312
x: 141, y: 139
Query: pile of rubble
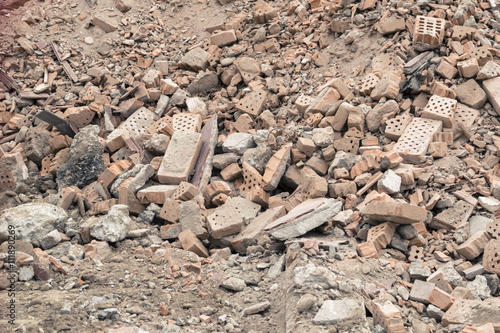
x: 281, y: 124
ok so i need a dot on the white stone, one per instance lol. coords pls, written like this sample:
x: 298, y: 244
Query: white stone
x: 89, y: 40
x: 114, y: 226
x: 340, y: 311
x: 50, y: 240
x: 313, y: 275
x: 238, y: 143
x: 491, y: 204
x: 390, y: 182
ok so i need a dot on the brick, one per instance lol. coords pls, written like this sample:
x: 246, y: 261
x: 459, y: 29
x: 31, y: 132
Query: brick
x: 441, y: 299
x: 368, y: 163
x: 474, y: 246
x: 164, y: 125
x: 128, y: 107
x: 170, y: 210
x: 440, y: 89
x: 275, y: 168
x: 489, y: 71
x: 491, y: 257
x: 342, y: 189
x: 185, y: 191
x: 388, y: 316
x: 258, y: 195
x: 155, y: 193
x: 381, y: 235
x: 224, y: 221
x: 482, y: 54
x: 223, y: 38
x: 493, y: 228
x: 180, y: 157
x: 215, y: 188
x: 438, y: 149
x: 468, y: 68
x: 421, y: 291
x: 252, y: 103
x: 231, y: 172
x: 369, y: 82
x: 136, y: 125
x: 397, y: 212
x: 413, y: 144
x: 367, y: 250
x: 461, y: 293
x: 127, y: 197
x: 387, y: 87
x: 440, y: 108
x: 416, y: 253
x: 303, y: 102
x: 186, y: 122
x: 251, y: 178
x: 446, y: 70
x: 190, y: 242
x: 340, y: 24
x: 395, y: 126
x: 102, y: 207
x: 428, y: 32
x: 324, y: 101
x: 313, y: 186
x: 491, y: 88
x: 264, y: 12
x: 18, y: 121
x: 339, y: 85
x: 236, y: 22
x: 453, y: 217
x: 440, y: 280
x: 306, y: 146
x: 112, y: 171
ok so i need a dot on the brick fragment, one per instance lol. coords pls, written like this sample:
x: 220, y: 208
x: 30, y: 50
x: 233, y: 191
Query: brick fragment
x: 413, y: 144
x: 381, y: 235
x: 367, y: 250
x: 190, y: 242
x: 491, y: 88
x: 388, y: 316
x: 397, y: 212
x: 440, y: 108
x: 491, y: 257
x: 468, y: 68
x: 428, y: 32
x: 441, y: 299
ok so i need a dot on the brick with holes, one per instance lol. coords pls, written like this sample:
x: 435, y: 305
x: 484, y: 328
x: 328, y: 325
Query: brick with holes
x: 79, y: 116
x: 170, y: 210
x: 185, y: 191
x: 491, y: 257
x: 440, y: 280
x: 413, y: 144
x: 388, y: 316
x: 441, y: 89
x: 369, y: 82
x: 474, y: 246
x: 303, y: 102
x: 416, y: 253
x: 180, y: 157
x: 493, y: 228
x: 252, y: 103
x: 387, y: 87
x: 187, y: 122
x: 381, y: 235
x: 18, y: 121
x: 468, y: 68
x: 428, y: 32
x: 251, y: 178
x: 313, y: 186
x: 60, y: 159
x: 264, y: 12
x: 224, y: 221
x: 395, y: 126
x: 258, y: 195
x: 441, y: 108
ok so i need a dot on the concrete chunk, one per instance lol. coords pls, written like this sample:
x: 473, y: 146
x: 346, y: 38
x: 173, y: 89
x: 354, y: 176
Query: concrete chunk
x: 340, y: 311
x: 397, y: 212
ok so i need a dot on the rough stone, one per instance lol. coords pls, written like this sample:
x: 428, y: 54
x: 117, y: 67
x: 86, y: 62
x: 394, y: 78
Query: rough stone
x: 340, y: 312
x: 114, y: 226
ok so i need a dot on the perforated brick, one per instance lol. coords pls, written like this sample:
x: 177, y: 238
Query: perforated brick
x: 369, y: 82
x: 137, y: 124
x: 264, y: 12
x: 388, y: 316
x: 482, y: 54
x: 465, y: 115
x: 494, y: 228
x: 252, y: 103
x: 60, y: 159
x: 491, y: 257
x: 185, y: 191
x: 7, y: 180
x: 441, y: 108
x: 428, y: 32
x: 395, y: 126
x: 187, y: 122
x: 475, y: 245
x: 46, y: 162
x: 386, y: 62
x: 79, y: 116
x: 303, y: 102
x: 416, y: 253
x: 381, y: 235
x: 163, y: 125
x: 170, y: 210
x: 224, y: 221
x: 237, y: 22
x: 413, y: 144
x: 251, y: 178
x: 490, y: 70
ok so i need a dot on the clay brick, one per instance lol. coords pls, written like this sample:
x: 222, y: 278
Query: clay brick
x: 474, y: 246
x: 127, y: 197
x: 387, y: 87
x: 68, y: 196
x: 306, y: 146
x: 102, y: 207
x: 440, y: 108
x: 258, y: 195
x: 313, y: 186
x: 397, y: 212
x: 461, y: 293
x: 446, y: 137
x: 224, y: 221
x: 340, y: 86
x: 482, y: 54
x: 59, y: 142
x: 264, y: 12
x: 252, y: 103
x: 215, y: 188
x: 170, y: 210
x: 446, y: 70
x: 441, y: 299
x: 136, y: 125
x: 342, y: 189
x: 237, y: 22
x: 303, y: 102
x: 491, y: 88
x: 368, y: 163
x: 468, y: 68
x: 7, y: 180
x: 369, y: 82
x: 440, y: 280
x: 251, y: 178
x: 340, y: 24
x: 395, y: 126
x: 185, y: 192
x: 324, y: 101
x: 367, y: 250
x: 388, y: 316
x: 18, y: 121
x: 223, y: 38
x: 231, y: 172
x: 186, y: 122
x: 164, y: 125
x: 493, y: 228
x: 79, y: 116
x: 453, y: 217
x: 462, y: 195
x: 440, y: 89
x: 155, y: 194
x: 428, y: 32
x: 112, y: 171
x: 46, y: 162
x: 381, y: 235
x: 491, y: 257
x: 438, y: 149
x: 168, y: 87
x: 190, y: 242
x: 416, y: 253
x: 180, y: 157
x: 275, y: 168
x: 413, y: 144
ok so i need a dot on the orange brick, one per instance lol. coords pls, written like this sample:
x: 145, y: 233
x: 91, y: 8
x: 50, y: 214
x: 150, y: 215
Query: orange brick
x: 441, y: 299
x: 275, y: 168
x: 381, y: 235
x: 306, y: 146
x: 112, y: 171
x: 170, y: 210
x: 441, y: 108
x: 446, y: 70
x: 185, y: 191
x: 157, y: 194
x: 231, y: 172
x: 491, y: 257
x: 258, y: 195
x: 474, y: 246
x: 468, y: 68
x: 428, y: 32
x: 215, y: 188
x: 367, y: 250
x: 440, y: 89
x: 493, y: 229
x: 388, y: 316
x: 79, y: 116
